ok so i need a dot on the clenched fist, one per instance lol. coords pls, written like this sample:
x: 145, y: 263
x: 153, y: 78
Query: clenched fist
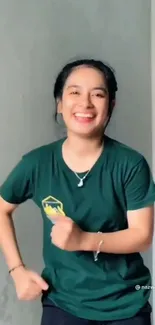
x: 66, y: 234
x: 28, y: 284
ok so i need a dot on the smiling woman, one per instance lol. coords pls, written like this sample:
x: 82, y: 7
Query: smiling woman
x: 96, y: 197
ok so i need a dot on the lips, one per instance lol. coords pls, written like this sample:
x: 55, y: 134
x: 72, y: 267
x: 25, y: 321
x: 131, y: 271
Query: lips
x: 84, y: 117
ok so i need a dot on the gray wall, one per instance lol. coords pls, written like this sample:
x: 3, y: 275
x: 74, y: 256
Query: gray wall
x: 36, y: 39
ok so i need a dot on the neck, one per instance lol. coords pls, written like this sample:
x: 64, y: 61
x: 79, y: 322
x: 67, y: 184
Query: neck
x: 83, y: 146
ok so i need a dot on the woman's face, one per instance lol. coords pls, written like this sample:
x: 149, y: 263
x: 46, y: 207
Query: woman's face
x: 85, y: 101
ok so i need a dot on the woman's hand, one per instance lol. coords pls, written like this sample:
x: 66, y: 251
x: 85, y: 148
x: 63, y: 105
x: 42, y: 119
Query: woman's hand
x: 29, y: 285
x: 66, y: 234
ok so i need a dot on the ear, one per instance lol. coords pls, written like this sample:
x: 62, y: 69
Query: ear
x: 59, y: 107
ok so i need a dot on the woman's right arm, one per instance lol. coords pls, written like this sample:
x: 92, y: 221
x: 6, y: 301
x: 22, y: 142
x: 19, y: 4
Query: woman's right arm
x: 28, y: 284
x: 8, y: 241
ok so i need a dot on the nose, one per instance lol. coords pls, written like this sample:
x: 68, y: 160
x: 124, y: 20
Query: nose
x: 86, y: 101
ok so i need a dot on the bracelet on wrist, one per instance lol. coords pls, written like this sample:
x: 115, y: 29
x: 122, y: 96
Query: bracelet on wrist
x: 98, y: 250
x: 15, y: 267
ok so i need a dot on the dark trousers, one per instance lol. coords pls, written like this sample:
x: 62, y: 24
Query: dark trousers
x: 53, y: 315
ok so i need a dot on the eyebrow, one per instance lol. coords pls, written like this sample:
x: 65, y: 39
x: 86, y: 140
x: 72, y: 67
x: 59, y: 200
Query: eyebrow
x: 95, y: 88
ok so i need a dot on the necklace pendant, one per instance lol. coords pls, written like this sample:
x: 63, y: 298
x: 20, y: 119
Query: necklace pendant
x: 80, y: 184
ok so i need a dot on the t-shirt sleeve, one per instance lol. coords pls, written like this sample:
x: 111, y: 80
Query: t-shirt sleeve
x: 19, y: 185
x: 139, y: 186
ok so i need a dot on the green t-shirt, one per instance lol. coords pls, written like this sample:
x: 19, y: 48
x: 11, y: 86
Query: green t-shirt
x: 119, y: 181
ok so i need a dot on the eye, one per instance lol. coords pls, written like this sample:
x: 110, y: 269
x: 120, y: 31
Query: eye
x: 75, y: 92
x: 100, y: 95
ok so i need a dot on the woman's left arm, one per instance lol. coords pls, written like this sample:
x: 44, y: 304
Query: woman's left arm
x: 137, y: 238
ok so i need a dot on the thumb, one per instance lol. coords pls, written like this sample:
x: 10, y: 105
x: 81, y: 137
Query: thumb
x: 40, y: 281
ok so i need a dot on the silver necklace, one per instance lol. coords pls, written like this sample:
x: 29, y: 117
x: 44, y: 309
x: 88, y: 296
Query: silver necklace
x: 80, y: 184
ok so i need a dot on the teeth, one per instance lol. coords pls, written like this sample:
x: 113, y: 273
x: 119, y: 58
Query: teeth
x: 83, y: 115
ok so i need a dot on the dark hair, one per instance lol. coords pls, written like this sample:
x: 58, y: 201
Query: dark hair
x: 105, y: 69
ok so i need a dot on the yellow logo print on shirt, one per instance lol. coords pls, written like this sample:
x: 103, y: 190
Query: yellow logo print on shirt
x: 52, y: 207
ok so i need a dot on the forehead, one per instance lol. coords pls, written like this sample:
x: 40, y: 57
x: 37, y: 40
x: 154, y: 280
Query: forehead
x: 85, y: 76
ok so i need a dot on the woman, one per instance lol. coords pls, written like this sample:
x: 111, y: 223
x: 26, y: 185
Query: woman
x: 96, y: 197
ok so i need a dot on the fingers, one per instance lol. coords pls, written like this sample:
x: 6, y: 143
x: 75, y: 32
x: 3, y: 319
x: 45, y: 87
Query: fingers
x: 60, y: 218
x: 32, y: 295
x: 40, y: 281
x: 61, y: 211
x: 33, y: 291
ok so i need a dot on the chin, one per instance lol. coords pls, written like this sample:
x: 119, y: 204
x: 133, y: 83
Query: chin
x: 86, y: 133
